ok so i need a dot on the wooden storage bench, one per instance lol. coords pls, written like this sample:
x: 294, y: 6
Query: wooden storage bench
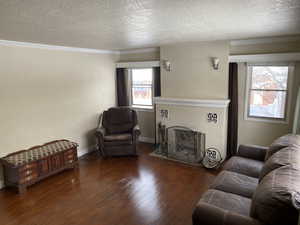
x: 26, y: 167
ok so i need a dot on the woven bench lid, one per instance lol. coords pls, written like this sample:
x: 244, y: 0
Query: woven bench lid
x: 39, y: 152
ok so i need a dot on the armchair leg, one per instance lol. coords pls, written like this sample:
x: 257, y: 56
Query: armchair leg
x: 100, y: 149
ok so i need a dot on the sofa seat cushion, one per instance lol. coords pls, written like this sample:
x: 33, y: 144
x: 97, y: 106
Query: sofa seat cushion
x: 284, y: 157
x: 227, y: 201
x: 235, y: 183
x: 118, y: 137
x: 291, y: 140
x: 249, y: 167
x: 272, y: 202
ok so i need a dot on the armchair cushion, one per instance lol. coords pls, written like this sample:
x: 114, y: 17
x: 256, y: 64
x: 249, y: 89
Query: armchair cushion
x: 118, y: 137
x: 119, y: 120
x: 117, y: 143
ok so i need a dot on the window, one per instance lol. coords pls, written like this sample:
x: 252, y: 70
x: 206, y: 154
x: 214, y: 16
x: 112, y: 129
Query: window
x: 267, y: 92
x: 142, y: 88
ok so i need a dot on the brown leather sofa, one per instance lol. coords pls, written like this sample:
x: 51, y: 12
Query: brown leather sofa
x: 118, y: 133
x: 256, y: 187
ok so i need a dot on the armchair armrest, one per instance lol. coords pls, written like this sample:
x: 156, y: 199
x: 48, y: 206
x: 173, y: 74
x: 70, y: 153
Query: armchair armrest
x: 136, y: 130
x: 100, y: 131
x: 211, y: 215
x: 136, y: 133
x: 253, y: 152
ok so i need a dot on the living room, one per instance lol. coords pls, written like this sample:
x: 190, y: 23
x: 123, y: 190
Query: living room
x: 211, y: 90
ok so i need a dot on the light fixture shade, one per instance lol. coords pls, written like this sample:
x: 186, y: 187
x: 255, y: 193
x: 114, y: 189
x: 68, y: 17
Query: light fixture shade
x: 215, y: 63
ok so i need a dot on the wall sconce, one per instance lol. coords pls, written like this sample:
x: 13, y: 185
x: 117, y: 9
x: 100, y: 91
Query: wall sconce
x: 166, y: 65
x: 215, y: 63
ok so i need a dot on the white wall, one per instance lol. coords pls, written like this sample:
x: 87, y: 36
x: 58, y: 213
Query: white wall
x: 140, y: 56
x: 47, y: 95
x: 192, y: 75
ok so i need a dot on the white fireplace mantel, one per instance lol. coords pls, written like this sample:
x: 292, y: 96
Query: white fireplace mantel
x: 217, y: 103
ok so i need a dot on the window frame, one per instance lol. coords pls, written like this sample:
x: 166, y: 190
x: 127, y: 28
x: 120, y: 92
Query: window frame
x: 141, y: 107
x: 288, y: 91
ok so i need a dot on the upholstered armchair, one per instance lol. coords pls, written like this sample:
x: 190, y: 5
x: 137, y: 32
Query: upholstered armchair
x: 118, y: 132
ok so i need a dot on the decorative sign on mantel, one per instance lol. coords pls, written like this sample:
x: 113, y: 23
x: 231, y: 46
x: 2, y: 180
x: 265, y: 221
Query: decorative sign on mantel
x: 164, y: 113
x: 212, y: 117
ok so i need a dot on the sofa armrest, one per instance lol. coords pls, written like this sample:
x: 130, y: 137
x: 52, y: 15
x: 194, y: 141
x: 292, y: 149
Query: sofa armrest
x: 253, y: 152
x: 206, y: 214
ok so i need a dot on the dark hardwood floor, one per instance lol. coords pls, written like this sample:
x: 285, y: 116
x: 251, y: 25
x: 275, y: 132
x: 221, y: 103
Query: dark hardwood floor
x: 117, y: 191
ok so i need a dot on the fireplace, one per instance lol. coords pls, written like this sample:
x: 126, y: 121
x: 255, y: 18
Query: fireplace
x: 181, y: 144
x: 195, y: 114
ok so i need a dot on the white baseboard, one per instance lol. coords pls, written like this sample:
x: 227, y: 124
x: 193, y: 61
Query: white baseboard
x: 147, y: 140
x: 83, y: 151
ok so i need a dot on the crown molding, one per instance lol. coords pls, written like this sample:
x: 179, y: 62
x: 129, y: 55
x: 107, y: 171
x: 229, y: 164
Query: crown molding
x: 137, y: 51
x: 263, y: 40
x: 274, y: 57
x: 56, y: 47
x: 220, y: 103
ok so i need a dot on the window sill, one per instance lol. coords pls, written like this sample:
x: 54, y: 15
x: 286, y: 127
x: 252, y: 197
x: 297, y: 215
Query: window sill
x: 266, y: 120
x: 143, y: 108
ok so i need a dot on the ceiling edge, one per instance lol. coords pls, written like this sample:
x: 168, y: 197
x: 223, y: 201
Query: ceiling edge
x: 264, y: 40
x: 273, y: 57
x: 137, y: 51
x: 56, y: 47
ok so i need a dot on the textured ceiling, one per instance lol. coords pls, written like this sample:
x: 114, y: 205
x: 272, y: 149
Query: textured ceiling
x: 125, y: 24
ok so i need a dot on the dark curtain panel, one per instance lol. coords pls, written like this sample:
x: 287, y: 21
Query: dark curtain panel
x: 122, y: 93
x: 232, y: 138
x: 157, y: 92
x: 157, y: 87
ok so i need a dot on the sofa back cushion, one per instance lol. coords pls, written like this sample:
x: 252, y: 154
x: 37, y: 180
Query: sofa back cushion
x: 119, y: 120
x: 282, y: 142
x: 284, y: 157
x: 272, y: 201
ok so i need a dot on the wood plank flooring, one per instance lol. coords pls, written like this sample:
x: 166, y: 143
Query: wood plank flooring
x: 140, y: 190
